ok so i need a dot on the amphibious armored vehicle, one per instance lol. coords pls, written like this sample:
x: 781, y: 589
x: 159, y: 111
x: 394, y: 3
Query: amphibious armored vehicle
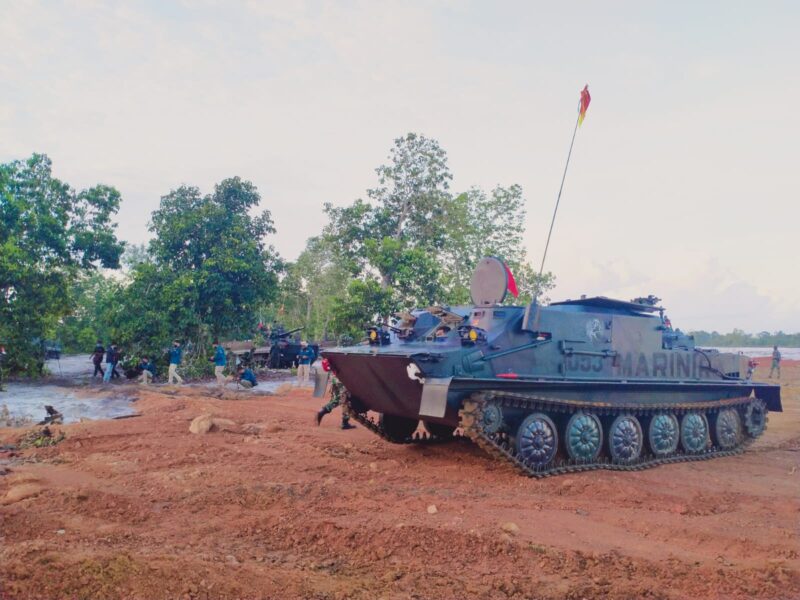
x: 574, y: 385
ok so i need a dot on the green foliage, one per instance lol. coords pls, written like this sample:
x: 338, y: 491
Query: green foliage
x: 204, y: 275
x: 93, y: 297
x: 209, y: 273
x: 490, y: 225
x: 213, y: 252
x: 740, y: 339
x: 365, y: 302
x: 311, y: 289
x: 49, y: 235
x: 419, y: 241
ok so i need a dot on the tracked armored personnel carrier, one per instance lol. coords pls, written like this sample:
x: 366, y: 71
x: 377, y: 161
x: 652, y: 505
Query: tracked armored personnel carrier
x: 575, y: 385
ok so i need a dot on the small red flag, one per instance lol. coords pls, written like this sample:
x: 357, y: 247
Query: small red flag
x: 585, y: 99
x: 512, y: 283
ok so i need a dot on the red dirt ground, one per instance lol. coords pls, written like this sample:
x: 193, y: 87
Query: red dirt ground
x: 277, y: 508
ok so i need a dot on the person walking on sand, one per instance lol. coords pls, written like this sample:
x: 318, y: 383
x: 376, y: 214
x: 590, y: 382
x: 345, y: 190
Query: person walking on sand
x: 97, y: 359
x: 112, y: 358
x: 776, y: 362
x: 219, y: 362
x: 175, y: 356
x: 304, y: 359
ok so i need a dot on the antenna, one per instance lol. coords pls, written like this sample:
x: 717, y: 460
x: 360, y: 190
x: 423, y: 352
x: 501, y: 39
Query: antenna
x: 583, y: 104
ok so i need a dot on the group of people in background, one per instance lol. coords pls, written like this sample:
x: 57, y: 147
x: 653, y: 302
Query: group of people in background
x: 112, y: 356
x: 244, y: 374
x: 147, y: 370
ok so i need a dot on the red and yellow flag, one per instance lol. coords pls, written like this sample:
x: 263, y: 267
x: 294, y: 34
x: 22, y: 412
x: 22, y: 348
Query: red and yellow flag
x: 585, y: 99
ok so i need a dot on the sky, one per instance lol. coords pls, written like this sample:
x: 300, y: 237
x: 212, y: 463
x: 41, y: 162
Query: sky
x: 684, y: 180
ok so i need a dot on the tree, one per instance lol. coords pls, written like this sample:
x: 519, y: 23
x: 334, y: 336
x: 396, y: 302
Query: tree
x: 421, y: 242
x: 364, y: 303
x: 482, y: 224
x: 49, y: 235
x: 206, y: 273
x: 214, y: 250
x: 312, y: 287
x: 93, y: 298
x: 397, y: 235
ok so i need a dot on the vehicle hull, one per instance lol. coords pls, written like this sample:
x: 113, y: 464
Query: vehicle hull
x: 380, y: 382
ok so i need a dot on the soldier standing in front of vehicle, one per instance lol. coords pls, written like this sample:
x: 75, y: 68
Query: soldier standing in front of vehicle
x: 776, y: 362
x: 219, y: 362
x: 175, y: 356
x: 304, y: 359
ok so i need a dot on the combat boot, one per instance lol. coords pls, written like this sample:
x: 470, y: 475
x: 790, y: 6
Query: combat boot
x: 319, y: 416
x: 346, y: 425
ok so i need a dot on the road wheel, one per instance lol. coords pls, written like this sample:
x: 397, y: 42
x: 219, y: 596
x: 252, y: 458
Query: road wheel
x: 625, y: 439
x: 727, y: 428
x: 583, y: 437
x: 537, y: 440
x: 694, y: 432
x: 663, y: 434
x: 755, y: 417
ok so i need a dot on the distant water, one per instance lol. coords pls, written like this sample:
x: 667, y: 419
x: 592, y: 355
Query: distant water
x: 65, y: 390
x: 25, y: 402
x: 786, y: 353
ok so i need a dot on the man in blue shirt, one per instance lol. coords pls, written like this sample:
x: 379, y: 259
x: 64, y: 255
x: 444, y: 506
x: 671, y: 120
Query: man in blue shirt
x: 112, y: 358
x: 219, y: 362
x: 247, y: 379
x: 175, y: 356
x: 305, y: 357
x: 148, y: 371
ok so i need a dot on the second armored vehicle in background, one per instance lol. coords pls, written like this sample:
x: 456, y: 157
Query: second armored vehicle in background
x: 278, y: 351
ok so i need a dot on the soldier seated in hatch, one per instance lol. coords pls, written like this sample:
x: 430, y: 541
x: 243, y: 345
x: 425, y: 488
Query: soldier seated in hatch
x: 441, y: 333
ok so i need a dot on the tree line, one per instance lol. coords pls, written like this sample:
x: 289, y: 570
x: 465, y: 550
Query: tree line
x: 210, y: 272
x: 740, y: 339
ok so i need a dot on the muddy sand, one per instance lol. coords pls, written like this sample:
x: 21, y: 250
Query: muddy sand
x: 267, y: 505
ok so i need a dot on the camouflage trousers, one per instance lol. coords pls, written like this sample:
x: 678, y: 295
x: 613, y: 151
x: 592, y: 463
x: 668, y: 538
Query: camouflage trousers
x: 338, y: 394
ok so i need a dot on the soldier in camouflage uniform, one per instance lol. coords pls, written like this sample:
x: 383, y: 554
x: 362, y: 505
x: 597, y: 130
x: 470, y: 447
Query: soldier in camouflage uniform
x: 776, y: 362
x: 338, y: 392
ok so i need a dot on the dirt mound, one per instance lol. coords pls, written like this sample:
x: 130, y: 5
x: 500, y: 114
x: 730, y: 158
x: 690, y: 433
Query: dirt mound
x: 271, y: 506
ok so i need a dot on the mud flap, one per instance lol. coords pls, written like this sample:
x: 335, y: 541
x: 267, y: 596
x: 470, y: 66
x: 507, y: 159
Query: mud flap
x: 434, y: 397
x: 320, y: 382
